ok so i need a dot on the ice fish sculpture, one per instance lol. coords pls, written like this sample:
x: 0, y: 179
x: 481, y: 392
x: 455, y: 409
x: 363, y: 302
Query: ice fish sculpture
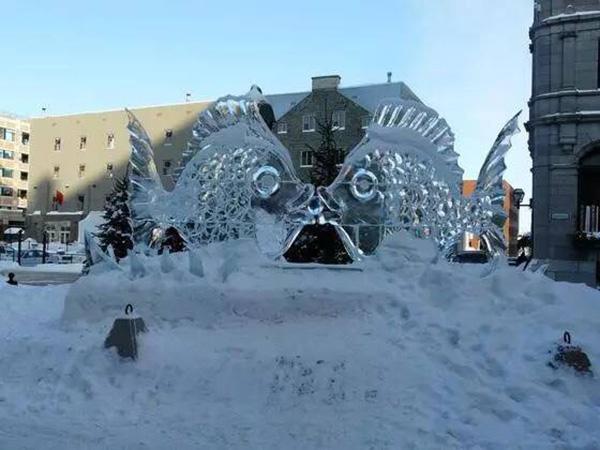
x: 404, y: 175
x: 236, y: 181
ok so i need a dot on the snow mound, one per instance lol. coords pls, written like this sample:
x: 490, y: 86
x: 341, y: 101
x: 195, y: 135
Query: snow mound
x: 403, y: 351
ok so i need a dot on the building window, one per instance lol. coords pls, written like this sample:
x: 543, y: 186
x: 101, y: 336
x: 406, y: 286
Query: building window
x: 25, y: 138
x: 81, y: 171
x: 338, y: 120
x: 24, y: 176
x: 166, y: 167
x: 7, y: 154
x: 57, y: 144
x: 308, y: 123
x: 65, y: 233
x: 365, y: 121
x: 282, y: 127
x: 340, y: 156
x: 22, y: 194
x: 109, y: 170
x: 6, y: 173
x: 59, y: 231
x: 6, y: 191
x: 56, y: 172
x: 110, y: 141
x: 82, y: 142
x: 24, y: 158
x: 168, y: 136
x: 7, y: 134
x: 306, y: 158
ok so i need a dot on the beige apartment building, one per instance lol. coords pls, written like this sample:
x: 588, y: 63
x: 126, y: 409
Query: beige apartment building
x: 76, y: 159
x: 14, y: 171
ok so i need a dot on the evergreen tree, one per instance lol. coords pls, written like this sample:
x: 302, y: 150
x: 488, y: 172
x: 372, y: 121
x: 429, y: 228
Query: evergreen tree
x: 321, y: 243
x: 116, y: 231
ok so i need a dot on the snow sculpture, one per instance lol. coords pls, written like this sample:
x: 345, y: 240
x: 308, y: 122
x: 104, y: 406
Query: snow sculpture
x: 404, y: 175
x: 237, y: 181
x: 235, y: 175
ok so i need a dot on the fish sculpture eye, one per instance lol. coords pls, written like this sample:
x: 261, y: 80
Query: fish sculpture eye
x: 266, y: 181
x: 363, y: 185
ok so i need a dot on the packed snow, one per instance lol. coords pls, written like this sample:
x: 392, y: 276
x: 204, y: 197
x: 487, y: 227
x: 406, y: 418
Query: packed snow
x: 401, y: 351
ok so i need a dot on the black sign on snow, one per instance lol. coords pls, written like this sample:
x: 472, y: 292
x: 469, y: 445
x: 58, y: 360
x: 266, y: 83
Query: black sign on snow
x: 123, y: 334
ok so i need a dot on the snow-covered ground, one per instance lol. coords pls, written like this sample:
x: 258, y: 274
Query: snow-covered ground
x: 403, y: 353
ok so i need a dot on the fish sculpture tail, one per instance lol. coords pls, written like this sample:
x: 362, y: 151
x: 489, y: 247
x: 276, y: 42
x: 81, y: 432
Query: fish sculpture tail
x: 145, y: 185
x: 489, y: 190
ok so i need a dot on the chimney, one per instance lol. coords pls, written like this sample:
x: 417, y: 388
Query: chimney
x: 326, y: 82
x: 389, y: 74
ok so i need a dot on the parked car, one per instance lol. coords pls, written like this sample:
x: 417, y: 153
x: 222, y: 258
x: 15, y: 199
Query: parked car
x: 471, y: 257
x: 7, y: 253
x: 61, y: 257
x: 32, y: 257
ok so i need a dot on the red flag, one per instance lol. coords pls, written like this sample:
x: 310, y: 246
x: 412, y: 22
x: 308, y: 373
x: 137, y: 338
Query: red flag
x: 59, y: 198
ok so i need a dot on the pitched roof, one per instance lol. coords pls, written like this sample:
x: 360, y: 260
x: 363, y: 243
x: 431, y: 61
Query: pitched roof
x: 367, y: 96
x: 282, y: 103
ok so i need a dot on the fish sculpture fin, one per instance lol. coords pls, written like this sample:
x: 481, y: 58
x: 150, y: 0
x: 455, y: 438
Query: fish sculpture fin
x: 490, y: 185
x: 144, y: 183
x: 427, y: 123
x: 95, y: 255
x: 225, y: 113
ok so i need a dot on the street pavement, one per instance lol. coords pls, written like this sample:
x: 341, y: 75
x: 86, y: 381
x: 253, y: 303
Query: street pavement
x: 39, y: 277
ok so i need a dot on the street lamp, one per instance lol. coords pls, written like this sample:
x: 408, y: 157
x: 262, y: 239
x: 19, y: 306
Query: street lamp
x: 519, y: 196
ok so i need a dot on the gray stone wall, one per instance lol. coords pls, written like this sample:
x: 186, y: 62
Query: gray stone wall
x: 320, y: 103
x: 564, y: 125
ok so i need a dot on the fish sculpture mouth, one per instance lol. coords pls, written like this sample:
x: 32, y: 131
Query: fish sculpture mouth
x: 237, y: 181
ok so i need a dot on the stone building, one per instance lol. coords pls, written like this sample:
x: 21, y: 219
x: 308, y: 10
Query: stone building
x: 564, y: 137
x: 14, y: 171
x: 349, y: 108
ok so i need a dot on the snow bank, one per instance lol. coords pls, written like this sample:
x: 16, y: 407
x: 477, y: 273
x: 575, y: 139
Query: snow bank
x: 401, y: 352
x: 6, y: 266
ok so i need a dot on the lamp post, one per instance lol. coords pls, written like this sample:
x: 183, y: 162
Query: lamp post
x: 519, y: 196
x: 44, y: 245
x: 20, y: 237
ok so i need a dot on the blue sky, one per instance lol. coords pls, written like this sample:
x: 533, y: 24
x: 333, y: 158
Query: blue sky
x: 468, y: 59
